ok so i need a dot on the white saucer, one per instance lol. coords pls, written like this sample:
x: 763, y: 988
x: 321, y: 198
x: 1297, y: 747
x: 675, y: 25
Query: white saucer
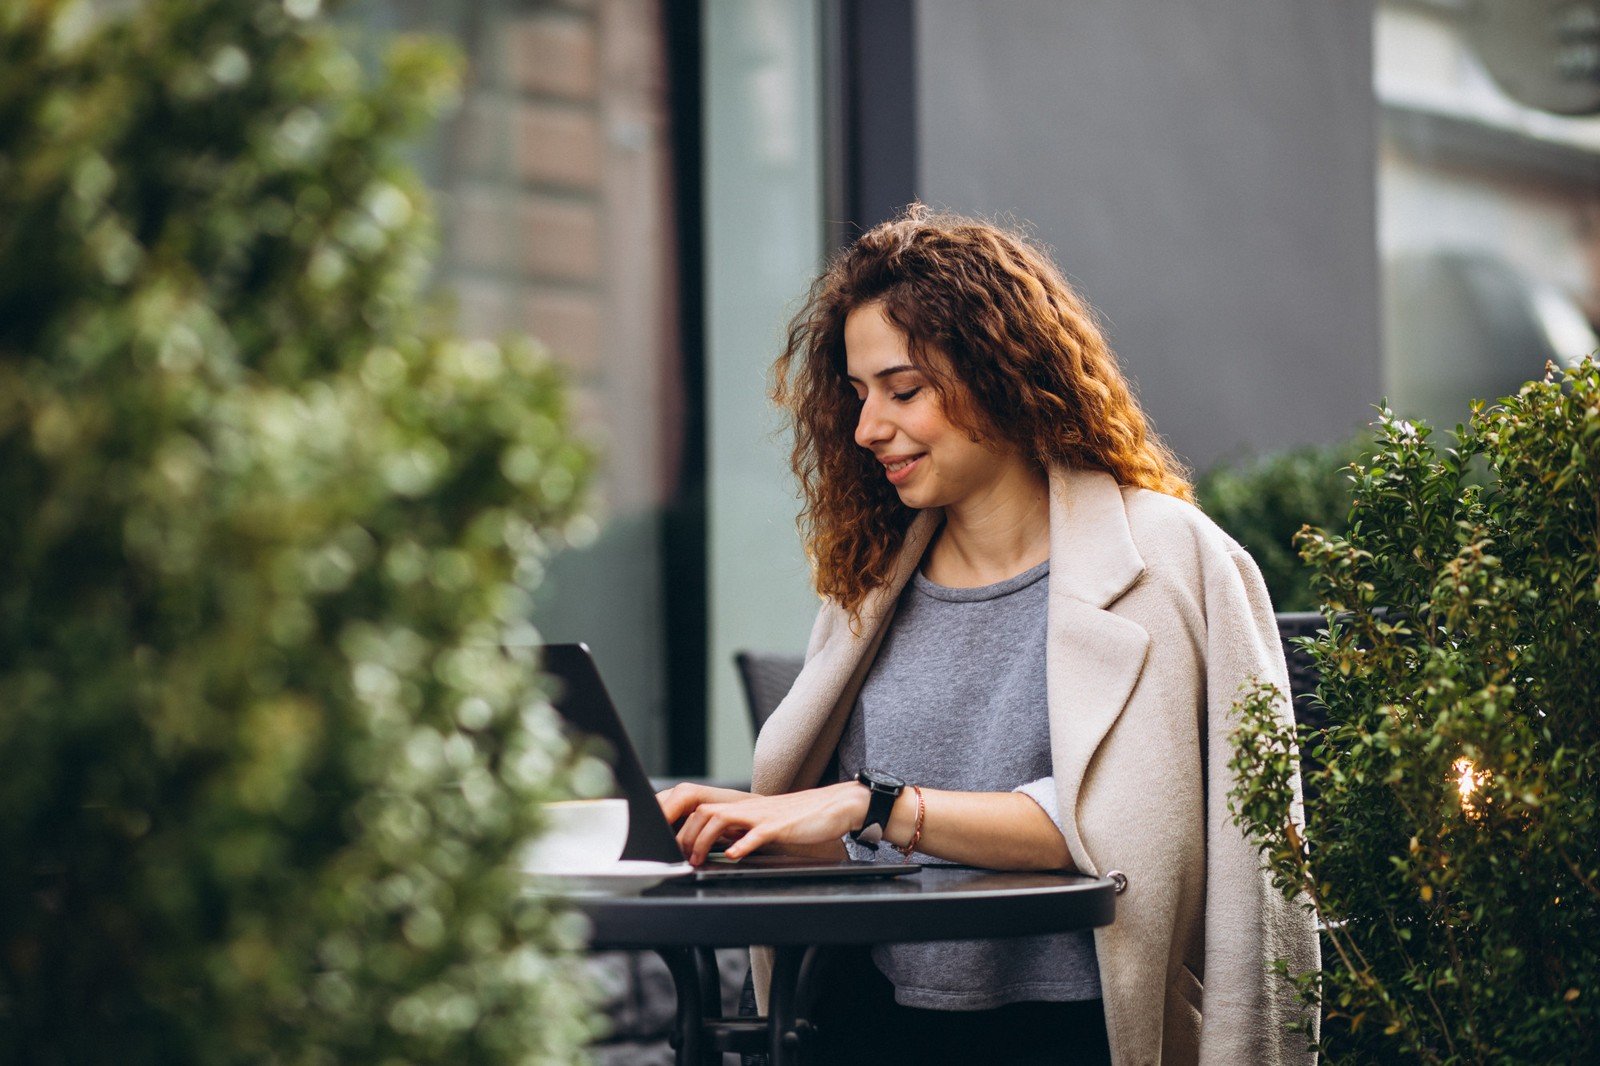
x: 625, y: 877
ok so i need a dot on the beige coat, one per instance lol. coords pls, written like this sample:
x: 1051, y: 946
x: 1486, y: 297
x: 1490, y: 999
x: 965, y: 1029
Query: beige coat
x: 1156, y: 618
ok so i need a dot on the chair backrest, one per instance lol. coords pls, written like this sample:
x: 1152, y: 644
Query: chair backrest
x: 1308, y: 713
x: 1302, y: 671
x: 767, y: 679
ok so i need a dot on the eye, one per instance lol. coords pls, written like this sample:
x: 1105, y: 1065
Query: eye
x: 906, y: 394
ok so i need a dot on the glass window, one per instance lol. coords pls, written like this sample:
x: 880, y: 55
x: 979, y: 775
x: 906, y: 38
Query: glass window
x: 1488, y: 199
x: 554, y: 182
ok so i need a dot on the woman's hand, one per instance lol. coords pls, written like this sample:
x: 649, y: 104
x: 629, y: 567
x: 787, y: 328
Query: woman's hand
x: 994, y: 830
x: 681, y: 799
x: 815, y: 816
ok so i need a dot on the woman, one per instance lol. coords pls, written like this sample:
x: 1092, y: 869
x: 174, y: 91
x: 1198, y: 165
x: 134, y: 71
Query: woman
x: 1028, y: 651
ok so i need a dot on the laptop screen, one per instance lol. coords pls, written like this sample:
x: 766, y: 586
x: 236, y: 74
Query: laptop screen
x: 581, y: 698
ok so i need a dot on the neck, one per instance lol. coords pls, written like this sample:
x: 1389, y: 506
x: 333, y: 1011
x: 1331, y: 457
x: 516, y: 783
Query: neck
x: 997, y: 533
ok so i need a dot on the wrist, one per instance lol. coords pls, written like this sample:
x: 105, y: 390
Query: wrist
x: 901, y: 819
x: 857, y: 801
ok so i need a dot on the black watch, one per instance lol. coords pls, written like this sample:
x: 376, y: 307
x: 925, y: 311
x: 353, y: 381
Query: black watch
x: 885, y: 788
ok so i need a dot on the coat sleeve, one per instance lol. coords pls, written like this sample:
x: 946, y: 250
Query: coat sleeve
x: 761, y: 958
x: 1249, y: 1012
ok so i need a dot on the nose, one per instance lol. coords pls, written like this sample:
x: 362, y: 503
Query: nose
x: 871, y: 427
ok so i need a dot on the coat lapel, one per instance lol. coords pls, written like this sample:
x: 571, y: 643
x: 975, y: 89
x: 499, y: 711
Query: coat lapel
x: 1093, y: 658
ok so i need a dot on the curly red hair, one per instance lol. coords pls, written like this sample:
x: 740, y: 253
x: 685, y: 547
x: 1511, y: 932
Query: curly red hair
x: 1010, y: 349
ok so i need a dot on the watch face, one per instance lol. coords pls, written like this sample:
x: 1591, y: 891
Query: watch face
x: 880, y: 779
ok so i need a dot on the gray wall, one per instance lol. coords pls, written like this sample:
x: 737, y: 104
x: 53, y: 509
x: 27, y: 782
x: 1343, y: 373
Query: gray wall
x: 1204, y: 172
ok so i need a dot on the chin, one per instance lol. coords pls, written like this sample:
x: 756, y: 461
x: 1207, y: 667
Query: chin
x: 916, y: 501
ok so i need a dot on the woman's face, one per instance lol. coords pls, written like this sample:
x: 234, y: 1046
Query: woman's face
x: 929, y: 461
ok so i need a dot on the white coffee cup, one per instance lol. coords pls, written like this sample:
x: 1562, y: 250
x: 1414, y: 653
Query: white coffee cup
x: 580, y: 836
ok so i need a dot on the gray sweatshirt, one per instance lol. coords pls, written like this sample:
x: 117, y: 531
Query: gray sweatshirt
x: 956, y: 700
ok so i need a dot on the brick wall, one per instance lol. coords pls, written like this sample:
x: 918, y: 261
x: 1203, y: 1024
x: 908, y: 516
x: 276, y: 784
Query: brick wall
x: 557, y: 208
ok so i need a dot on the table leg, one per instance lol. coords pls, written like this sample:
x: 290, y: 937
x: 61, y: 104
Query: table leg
x: 710, y: 984
x: 789, y: 1000
x: 688, y: 1039
x: 812, y: 969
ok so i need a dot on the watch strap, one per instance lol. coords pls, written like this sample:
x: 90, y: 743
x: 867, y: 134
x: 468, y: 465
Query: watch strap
x: 880, y: 804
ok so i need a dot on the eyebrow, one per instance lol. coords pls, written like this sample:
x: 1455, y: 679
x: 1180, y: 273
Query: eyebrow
x: 886, y: 373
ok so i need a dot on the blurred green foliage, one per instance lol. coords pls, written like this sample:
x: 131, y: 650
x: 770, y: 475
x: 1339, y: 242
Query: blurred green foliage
x: 1263, y: 501
x: 1454, y: 851
x: 265, y: 529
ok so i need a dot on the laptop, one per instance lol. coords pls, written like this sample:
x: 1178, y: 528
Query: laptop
x: 584, y: 703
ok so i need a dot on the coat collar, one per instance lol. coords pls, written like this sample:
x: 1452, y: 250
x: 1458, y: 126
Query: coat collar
x: 1093, y: 657
x: 1092, y: 556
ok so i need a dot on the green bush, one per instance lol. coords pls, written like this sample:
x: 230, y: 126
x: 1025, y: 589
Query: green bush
x: 1264, y: 501
x: 1454, y: 850
x: 264, y: 527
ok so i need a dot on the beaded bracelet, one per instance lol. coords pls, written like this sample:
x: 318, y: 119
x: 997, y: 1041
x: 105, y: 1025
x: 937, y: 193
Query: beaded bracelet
x: 916, y: 830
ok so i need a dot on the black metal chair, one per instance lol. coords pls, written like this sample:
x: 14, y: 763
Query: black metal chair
x: 1302, y: 671
x: 1309, y: 714
x: 767, y: 679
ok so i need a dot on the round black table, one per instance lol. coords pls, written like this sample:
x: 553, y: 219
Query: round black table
x: 684, y: 921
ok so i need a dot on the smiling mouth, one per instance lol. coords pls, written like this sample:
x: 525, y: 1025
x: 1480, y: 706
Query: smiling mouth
x: 900, y: 469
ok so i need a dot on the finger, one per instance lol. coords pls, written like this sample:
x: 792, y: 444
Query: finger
x: 710, y: 829
x: 693, y: 826
x: 750, y: 841
x: 710, y: 833
x: 678, y: 800
x: 690, y: 832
